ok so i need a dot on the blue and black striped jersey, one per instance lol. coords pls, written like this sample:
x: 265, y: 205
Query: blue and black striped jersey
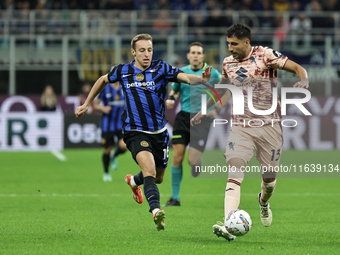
x: 112, y: 121
x: 144, y: 93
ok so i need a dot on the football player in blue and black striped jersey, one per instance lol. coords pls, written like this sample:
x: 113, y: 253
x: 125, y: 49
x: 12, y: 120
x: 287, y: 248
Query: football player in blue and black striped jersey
x: 144, y: 83
x: 111, y: 103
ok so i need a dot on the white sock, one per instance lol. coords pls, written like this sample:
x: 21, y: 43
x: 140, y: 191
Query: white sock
x: 154, y: 211
x: 262, y: 203
x: 132, y: 182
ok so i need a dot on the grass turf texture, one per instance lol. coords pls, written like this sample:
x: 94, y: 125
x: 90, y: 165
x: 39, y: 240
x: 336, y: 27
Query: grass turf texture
x: 52, y: 207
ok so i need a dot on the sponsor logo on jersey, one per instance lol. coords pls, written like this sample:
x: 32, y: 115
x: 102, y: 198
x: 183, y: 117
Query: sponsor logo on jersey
x: 232, y: 65
x: 241, y: 74
x: 142, y: 85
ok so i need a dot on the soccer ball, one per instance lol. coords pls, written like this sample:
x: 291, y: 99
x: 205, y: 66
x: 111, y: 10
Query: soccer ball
x: 238, y: 222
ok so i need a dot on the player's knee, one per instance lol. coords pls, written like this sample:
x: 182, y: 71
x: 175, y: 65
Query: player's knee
x: 194, y: 161
x: 107, y: 150
x: 178, y: 159
x: 268, y: 180
x: 159, y: 179
x: 268, y: 187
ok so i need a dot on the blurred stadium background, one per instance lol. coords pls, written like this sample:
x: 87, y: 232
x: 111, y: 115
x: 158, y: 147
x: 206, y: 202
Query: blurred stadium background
x: 68, y: 43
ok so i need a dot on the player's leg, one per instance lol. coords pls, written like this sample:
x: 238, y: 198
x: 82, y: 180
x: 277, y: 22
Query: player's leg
x: 233, y: 189
x: 268, y: 153
x: 107, y: 143
x: 268, y: 186
x: 160, y: 143
x: 176, y: 173
x: 240, y: 149
x: 232, y: 196
x: 106, y: 161
x: 137, y: 142
x: 180, y: 139
x: 198, y: 139
x: 121, y: 148
x: 146, y: 163
x: 194, y: 159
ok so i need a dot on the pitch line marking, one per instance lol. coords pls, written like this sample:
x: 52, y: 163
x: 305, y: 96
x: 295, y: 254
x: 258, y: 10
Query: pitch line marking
x: 59, y: 155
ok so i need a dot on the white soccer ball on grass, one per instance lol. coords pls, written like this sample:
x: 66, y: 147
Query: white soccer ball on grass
x: 238, y: 222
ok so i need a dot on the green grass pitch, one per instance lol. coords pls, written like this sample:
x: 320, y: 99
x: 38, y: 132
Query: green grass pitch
x: 52, y: 207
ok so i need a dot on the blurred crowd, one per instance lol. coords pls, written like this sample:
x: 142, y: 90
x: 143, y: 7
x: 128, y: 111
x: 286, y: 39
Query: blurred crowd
x: 175, y: 5
x: 302, y: 21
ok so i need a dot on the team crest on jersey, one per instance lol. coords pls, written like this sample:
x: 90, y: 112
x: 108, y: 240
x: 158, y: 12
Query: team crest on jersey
x: 144, y: 144
x: 140, y: 77
x: 117, y: 97
x: 103, y: 141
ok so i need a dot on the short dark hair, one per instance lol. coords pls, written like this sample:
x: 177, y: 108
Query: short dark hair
x: 240, y: 31
x: 195, y: 44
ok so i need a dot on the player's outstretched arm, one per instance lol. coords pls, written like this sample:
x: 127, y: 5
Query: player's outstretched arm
x: 98, y: 86
x: 224, y: 95
x: 300, y: 72
x: 193, y: 79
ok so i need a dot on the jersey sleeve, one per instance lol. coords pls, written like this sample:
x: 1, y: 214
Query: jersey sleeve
x: 113, y: 74
x: 216, y: 74
x: 171, y: 72
x: 274, y: 59
x: 176, y: 86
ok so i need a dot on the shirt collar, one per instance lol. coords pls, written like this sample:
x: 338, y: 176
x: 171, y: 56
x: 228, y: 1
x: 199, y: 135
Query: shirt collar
x: 204, y: 66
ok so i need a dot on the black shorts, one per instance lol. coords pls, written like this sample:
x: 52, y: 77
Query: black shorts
x: 184, y: 133
x: 108, y: 138
x: 157, y: 144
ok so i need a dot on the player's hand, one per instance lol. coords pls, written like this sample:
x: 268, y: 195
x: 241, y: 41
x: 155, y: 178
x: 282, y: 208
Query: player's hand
x: 170, y: 103
x: 196, y: 119
x: 206, y: 74
x: 81, y: 110
x: 304, y: 83
x: 106, y: 109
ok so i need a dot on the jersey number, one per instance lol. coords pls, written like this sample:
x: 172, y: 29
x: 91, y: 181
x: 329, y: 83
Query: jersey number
x: 277, y: 153
x: 166, y: 152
